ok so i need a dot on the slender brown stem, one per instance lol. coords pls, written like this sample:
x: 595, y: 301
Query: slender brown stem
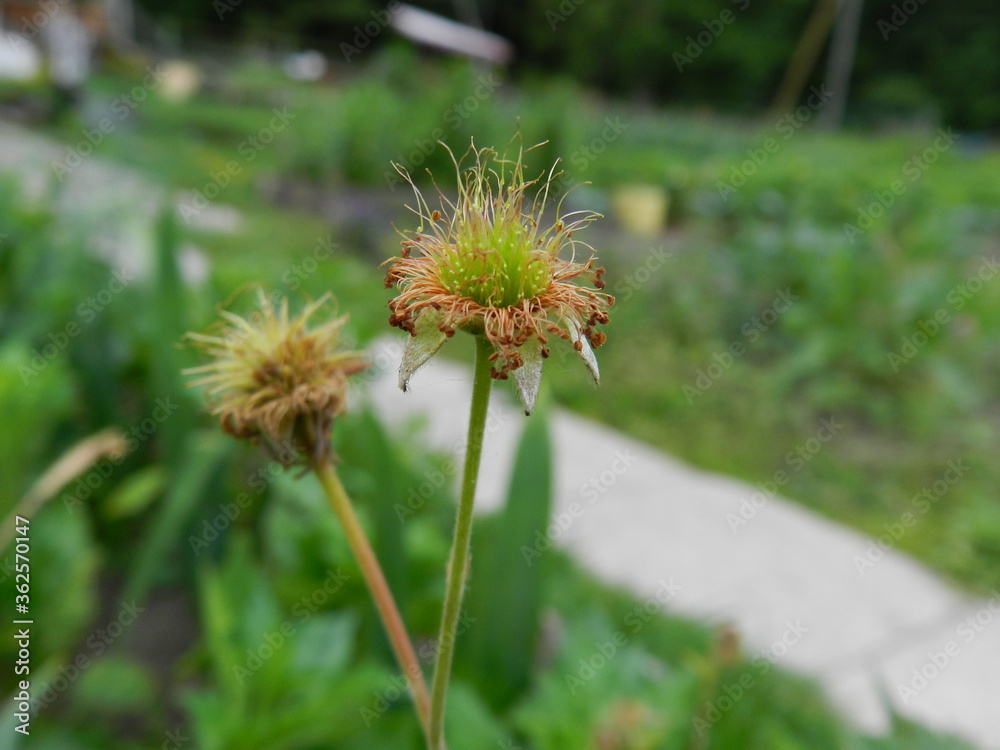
x: 379, y: 588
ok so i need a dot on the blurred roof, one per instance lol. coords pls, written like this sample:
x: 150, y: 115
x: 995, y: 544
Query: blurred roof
x: 450, y: 36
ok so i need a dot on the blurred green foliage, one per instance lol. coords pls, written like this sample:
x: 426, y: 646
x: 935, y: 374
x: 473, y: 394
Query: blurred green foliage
x: 254, y: 628
x: 808, y: 216
x: 223, y: 607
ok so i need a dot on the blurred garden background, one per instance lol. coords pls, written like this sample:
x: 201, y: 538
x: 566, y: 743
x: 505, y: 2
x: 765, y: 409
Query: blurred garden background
x: 802, y: 218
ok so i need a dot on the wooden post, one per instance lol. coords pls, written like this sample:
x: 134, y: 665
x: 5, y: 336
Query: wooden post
x: 840, y: 63
x: 804, y: 58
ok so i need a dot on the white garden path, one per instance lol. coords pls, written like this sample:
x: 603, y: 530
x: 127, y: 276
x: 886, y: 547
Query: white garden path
x: 787, y: 580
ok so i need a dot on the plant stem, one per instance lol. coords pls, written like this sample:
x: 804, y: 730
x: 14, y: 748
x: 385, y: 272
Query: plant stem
x: 457, y: 563
x: 378, y: 587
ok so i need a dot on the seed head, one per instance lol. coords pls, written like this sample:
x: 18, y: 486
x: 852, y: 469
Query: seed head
x: 276, y: 380
x: 486, y: 264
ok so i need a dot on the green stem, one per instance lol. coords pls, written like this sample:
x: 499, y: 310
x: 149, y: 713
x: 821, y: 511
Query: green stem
x: 380, y: 592
x: 458, y: 561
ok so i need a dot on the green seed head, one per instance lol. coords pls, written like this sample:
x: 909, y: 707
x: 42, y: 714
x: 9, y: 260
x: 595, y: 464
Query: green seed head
x: 493, y: 251
x: 489, y: 264
x: 497, y: 266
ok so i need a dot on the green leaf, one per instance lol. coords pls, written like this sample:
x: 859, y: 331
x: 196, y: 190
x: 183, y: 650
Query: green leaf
x: 203, y: 454
x: 114, y: 685
x: 63, y: 577
x: 134, y: 494
x: 421, y: 346
x: 469, y: 725
x: 504, y: 600
x: 324, y: 642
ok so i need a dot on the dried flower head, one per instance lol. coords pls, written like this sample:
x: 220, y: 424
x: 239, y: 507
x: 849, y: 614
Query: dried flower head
x: 276, y: 380
x: 487, y: 265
